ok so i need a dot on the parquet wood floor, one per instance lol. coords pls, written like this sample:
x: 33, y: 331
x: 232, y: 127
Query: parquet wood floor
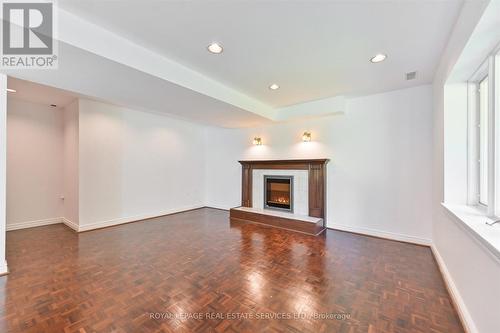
x: 196, y: 272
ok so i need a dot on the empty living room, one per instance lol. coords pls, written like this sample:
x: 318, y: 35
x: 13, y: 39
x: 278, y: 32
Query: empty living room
x: 316, y: 166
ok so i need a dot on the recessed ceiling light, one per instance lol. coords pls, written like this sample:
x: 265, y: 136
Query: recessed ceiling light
x: 274, y: 86
x: 215, y: 48
x: 378, y: 58
x: 11, y: 90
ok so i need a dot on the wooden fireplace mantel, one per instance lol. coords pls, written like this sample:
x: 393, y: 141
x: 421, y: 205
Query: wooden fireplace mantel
x: 317, y: 180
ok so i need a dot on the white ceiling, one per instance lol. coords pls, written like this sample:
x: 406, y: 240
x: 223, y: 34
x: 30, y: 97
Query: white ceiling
x: 38, y: 93
x: 92, y: 76
x: 312, y: 49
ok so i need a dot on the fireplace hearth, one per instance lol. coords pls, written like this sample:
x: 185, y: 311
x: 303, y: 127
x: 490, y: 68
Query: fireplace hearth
x: 278, y: 193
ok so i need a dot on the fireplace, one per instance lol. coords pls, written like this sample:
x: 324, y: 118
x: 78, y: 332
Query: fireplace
x: 278, y: 193
x: 302, y: 182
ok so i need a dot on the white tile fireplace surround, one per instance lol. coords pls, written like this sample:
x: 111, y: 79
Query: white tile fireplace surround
x: 300, y: 188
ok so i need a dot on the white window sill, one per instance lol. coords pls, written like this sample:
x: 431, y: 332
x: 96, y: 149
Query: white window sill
x: 474, y: 219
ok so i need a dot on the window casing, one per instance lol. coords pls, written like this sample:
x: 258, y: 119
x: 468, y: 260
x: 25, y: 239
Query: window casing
x: 484, y: 137
x: 482, y: 97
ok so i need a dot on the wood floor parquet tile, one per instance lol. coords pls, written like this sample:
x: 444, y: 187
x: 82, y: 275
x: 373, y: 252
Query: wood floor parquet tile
x: 237, y: 276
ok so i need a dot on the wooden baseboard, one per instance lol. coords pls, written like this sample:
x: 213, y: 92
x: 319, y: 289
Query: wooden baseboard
x: 133, y: 219
x: 33, y: 224
x: 457, y: 300
x: 382, y: 234
x: 4, y: 269
x: 218, y: 208
x: 70, y: 224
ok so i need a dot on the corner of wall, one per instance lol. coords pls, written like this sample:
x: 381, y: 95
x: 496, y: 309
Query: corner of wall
x: 3, y: 168
x: 71, y: 163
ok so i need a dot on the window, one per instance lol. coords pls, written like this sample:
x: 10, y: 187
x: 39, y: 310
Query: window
x: 484, y: 138
x: 483, y: 141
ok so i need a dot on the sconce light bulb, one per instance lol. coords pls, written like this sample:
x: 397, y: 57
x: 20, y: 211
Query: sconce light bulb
x: 257, y: 141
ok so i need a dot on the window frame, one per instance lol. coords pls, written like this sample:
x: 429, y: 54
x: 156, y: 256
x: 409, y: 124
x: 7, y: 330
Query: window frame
x: 480, y: 161
x: 489, y: 69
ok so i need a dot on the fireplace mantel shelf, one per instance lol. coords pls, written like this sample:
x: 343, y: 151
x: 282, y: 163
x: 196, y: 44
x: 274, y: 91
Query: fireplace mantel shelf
x: 314, y: 160
x: 301, y: 164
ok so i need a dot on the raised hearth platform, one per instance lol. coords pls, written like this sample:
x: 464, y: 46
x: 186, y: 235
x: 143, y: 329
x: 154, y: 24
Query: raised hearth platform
x: 304, y: 224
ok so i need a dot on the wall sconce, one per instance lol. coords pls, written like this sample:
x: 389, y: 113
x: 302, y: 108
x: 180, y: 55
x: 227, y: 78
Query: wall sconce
x: 257, y: 141
x: 306, y: 137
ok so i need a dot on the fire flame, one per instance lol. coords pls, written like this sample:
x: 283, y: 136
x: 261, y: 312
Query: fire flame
x: 282, y: 200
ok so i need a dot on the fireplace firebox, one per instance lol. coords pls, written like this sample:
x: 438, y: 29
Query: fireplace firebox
x: 278, y: 193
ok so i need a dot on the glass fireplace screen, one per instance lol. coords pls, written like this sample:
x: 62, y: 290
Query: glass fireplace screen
x: 278, y: 192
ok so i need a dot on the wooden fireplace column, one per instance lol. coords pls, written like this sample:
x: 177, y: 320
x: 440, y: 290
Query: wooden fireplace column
x: 317, y: 180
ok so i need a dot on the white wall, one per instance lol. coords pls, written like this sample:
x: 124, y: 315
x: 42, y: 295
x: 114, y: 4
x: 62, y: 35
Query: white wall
x: 379, y: 176
x: 472, y: 272
x: 3, y: 169
x: 135, y: 164
x: 455, y: 138
x: 71, y: 149
x: 34, y: 163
